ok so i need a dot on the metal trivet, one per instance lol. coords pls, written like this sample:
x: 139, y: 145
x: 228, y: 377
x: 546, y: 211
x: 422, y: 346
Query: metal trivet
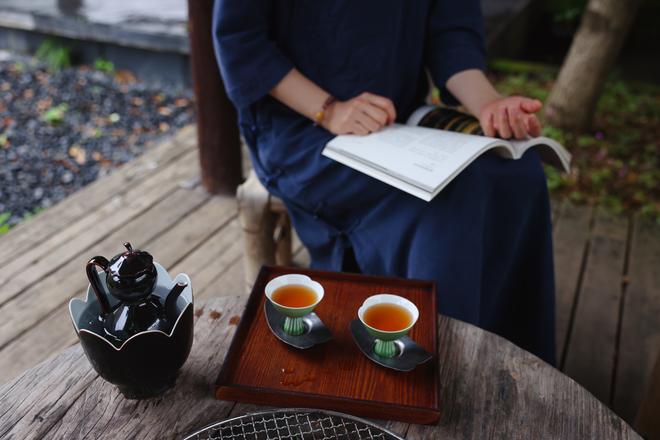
x: 299, y: 424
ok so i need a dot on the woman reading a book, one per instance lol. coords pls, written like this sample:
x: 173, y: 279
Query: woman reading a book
x: 300, y: 72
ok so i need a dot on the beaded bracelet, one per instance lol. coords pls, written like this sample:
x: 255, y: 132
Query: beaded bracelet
x: 318, y: 116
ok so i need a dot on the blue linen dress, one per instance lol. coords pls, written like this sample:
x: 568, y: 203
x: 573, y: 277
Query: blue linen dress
x: 485, y: 239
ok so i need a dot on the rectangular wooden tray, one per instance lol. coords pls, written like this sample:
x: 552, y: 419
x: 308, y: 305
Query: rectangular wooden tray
x: 261, y: 369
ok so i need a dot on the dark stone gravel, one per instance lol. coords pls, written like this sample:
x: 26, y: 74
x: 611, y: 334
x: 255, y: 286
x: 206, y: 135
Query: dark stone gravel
x: 61, y: 130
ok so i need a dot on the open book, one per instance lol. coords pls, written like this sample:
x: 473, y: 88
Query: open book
x: 421, y: 160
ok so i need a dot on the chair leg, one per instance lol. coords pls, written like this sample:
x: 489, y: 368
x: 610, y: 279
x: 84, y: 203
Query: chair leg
x: 283, y: 246
x: 258, y: 224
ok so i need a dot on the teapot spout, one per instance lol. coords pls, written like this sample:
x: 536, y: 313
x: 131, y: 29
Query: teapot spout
x: 170, y: 300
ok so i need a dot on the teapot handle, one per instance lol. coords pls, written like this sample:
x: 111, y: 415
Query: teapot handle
x: 95, y: 281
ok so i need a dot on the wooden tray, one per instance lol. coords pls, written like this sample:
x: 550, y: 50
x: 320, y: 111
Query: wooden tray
x: 260, y: 369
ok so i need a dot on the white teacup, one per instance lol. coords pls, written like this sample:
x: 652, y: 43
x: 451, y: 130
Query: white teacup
x: 293, y: 324
x: 385, y: 345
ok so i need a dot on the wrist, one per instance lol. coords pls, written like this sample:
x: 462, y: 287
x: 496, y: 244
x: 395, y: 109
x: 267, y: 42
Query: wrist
x: 321, y: 115
x: 330, y: 115
x: 486, y: 102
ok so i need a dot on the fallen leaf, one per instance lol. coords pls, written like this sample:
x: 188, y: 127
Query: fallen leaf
x: 124, y: 76
x: 44, y: 104
x: 78, y: 154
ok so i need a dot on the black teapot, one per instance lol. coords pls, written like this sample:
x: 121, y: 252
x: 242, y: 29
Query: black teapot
x: 131, y: 277
x: 136, y: 323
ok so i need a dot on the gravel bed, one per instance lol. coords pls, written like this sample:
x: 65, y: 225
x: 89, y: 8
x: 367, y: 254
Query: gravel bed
x: 61, y: 130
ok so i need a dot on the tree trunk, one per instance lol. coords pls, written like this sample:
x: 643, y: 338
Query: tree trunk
x: 596, y: 44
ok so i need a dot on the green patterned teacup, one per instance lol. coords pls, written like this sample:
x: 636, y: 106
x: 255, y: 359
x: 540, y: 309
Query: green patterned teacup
x: 385, y: 345
x: 294, y: 324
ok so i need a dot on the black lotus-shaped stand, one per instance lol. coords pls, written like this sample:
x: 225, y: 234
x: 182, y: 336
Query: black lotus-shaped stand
x: 146, y: 364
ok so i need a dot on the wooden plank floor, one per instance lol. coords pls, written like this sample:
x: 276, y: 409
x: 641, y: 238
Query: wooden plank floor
x: 607, y: 277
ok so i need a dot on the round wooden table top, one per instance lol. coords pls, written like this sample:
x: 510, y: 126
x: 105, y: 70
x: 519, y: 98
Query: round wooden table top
x: 489, y: 389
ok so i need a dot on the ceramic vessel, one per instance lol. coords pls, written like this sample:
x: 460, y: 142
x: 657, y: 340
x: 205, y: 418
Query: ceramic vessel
x: 294, y: 324
x: 137, y: 338
x: 385, y: 345
x: 315, y: 331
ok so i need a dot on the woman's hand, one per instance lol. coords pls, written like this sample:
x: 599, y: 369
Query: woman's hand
x: 360, y: 115
x: 511, y: 117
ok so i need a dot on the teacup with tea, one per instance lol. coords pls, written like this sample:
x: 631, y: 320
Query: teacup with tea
x: 387, y: 318
x: 295, y: 296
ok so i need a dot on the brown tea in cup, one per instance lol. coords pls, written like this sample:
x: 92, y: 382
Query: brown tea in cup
x: 294, y: 295
x: 388, y: 317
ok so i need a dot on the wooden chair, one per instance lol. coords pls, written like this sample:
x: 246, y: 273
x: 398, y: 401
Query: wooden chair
x: 266, y: 228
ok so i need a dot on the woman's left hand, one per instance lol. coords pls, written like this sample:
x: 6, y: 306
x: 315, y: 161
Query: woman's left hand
x: 511, y: 117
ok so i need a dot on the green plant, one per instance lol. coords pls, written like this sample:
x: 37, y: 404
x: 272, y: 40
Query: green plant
x: 104, y: 65
x: 565, y: 11
x: 29, y: 215
x: 4, y: 225
x: 567, y: 15
x: 57, y: 57
x: 55, y: 115
x: 505, y: 65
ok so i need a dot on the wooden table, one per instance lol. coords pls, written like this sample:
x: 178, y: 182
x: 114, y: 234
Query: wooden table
x: 489, y: 389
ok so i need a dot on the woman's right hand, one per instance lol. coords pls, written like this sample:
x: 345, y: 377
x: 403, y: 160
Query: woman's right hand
x: 360, y: 115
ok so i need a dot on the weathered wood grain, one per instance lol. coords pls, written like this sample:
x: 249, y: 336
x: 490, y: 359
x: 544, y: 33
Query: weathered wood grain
x: 570, y: 237
x: 45, y: 305
x: 20, y: 313
x: 227, y: 276
x: 55, y: 332
x: 94, y: 409
x: 489, y: 389
x: 212, y: 257
x: 32, y: 403
x: 647, y: 422
x: 258, y: 225
x: 640, y: 326
x: 592, y: 345
x: 212, y: 272
x: 24, y: 236
x: 52, y: 253
x: 301, y: 255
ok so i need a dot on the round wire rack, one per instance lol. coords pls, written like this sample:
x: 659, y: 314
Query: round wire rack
x: 298, y: 424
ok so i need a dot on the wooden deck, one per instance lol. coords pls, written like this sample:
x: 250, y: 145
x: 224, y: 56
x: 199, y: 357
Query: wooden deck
x: 608, y: 269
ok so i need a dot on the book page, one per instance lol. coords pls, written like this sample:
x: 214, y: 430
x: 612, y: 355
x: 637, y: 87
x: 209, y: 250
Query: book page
x: 551, y: 151
x: 378, y: 174
x: 423, y: 157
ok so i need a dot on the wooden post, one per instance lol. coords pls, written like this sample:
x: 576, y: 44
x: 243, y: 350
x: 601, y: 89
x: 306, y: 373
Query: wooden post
x: 217, y: 129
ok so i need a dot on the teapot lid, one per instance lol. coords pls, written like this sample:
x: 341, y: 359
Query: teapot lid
x: 131, y: 275
x: 132, y: 263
